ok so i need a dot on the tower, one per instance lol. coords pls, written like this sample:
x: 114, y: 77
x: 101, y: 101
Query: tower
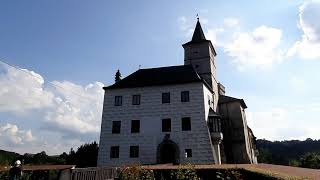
x: 200, y: 53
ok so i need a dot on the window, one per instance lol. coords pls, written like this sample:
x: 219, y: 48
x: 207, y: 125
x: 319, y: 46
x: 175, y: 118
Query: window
x: 134, y: 151
x: 165, y: 98
x: 185, y: 96
x: 214, y: 124
x: 209, y: 100
x: 188, y: 153
x: 186, y: 124
x: 114, y: 152
x: 136, y: 99
x: 166, y: 125
x: 116, y: 126
x: 135, y: 126
x: 118, y: 100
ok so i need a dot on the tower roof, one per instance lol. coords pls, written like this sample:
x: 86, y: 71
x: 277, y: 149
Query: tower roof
x: 198, y: 34
x: 199, y: 37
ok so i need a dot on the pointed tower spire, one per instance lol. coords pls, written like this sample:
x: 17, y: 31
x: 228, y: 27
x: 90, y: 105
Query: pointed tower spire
x: 198, y: 34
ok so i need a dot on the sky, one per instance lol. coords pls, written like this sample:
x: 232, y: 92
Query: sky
x: 64, y: 52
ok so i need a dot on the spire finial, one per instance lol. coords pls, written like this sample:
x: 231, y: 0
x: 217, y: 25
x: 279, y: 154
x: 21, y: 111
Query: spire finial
x: 197, y: 16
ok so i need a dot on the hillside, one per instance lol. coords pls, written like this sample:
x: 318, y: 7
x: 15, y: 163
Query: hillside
x: 286, y: 152
x: 7, y: 157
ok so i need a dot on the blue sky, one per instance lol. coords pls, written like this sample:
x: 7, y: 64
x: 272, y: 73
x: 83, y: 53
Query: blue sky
x: 267, y: 54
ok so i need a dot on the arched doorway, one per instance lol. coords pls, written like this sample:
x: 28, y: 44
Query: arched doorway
x: 168, y: 152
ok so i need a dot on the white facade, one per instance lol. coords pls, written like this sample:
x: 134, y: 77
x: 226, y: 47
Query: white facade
x: 150, y: 112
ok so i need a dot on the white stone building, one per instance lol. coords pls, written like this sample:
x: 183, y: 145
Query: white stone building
x: 175, y: 114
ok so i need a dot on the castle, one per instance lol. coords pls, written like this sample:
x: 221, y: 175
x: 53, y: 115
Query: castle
x: 175, y: 114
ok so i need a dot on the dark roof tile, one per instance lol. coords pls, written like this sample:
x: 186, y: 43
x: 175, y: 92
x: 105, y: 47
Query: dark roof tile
x: 158, y: 76
x: 226, y: 99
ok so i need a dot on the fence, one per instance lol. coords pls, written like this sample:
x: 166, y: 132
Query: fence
x: 96, y: 173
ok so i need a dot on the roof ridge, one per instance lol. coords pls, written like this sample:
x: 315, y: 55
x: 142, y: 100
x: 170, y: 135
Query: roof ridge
x: 164, y: 67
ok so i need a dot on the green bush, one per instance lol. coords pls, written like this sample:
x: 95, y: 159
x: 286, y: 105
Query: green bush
x: 229, y: 175
x: 184, y: 172
x: 135, y: 173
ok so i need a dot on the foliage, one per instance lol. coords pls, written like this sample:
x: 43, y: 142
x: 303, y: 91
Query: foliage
x: 117, y: 76
x: 229, y: 175
x: 293, y: 153
x: 85, y: 156
x: 185, y: 172
x: 135, y: 173
x: 32, y: 175
x: 310, y: 160
x: 6, y: 157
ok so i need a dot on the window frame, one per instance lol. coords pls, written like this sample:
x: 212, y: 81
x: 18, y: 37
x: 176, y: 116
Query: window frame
x: 133, y: 130
x: 114, y: 152
x: 185, y: 96
x: 134, y: 152
x: 114, y: 129
x: 166, y: 98
x: 117, y: 100
x: 163, y: 123
x: 136, y: 99
x: 184, y: 126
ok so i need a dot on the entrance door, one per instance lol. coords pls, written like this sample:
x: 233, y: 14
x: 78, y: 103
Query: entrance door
x: 167, y: 154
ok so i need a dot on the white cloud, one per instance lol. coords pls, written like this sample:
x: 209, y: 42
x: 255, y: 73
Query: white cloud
x: 276, y: 124
x: 74, y: 111
x: 257, y: 49
x: 297, y: 85
x: 21, y: 91
x: 230, y: 22
x: 182, y: 20
x: 77, y: 108
x: 10, y: 134
x: 309, y: 45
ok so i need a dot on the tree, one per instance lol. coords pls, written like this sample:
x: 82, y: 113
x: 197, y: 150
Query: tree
x: 311, y: 160
x: 85, y: 156
x: 117, y: 76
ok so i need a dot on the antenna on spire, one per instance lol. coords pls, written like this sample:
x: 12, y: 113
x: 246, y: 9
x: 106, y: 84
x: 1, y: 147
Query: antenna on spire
x: 198, y: 16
